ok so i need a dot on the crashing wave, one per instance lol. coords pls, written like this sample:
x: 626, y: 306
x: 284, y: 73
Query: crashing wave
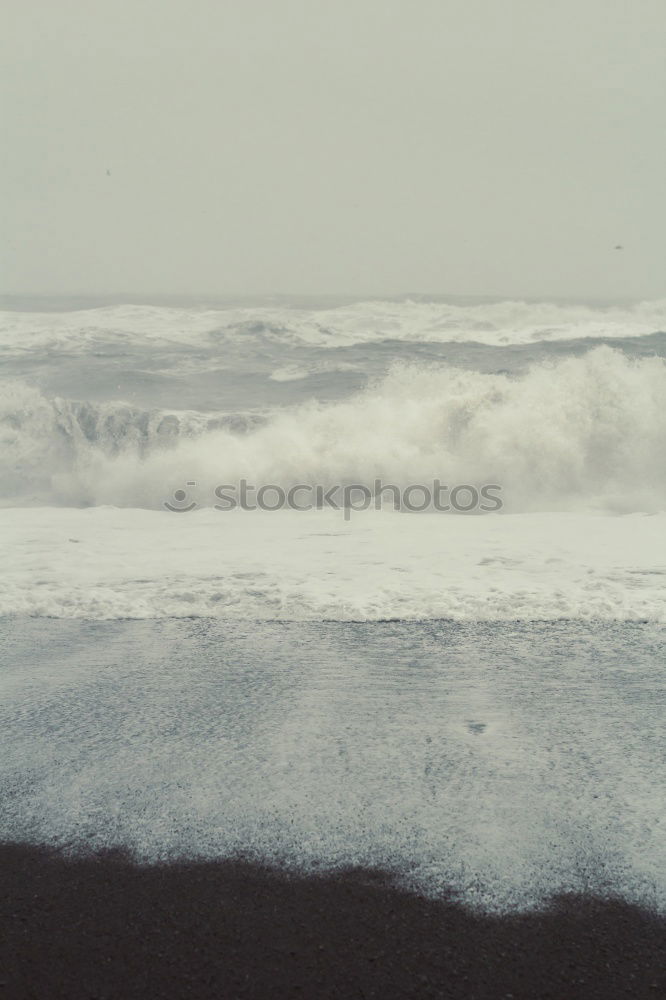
x: 568, y: 434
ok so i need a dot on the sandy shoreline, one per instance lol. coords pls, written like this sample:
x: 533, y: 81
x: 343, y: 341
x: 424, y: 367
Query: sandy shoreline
x: 103, y: 927
x: 501, y: 763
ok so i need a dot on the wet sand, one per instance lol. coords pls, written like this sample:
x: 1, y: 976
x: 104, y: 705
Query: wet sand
x: 105, y: 928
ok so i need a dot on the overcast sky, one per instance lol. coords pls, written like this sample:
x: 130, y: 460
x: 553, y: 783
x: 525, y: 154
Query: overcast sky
x: 490, y: 147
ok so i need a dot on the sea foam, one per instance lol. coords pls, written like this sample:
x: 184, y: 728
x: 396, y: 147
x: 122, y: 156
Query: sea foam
x: 106, y: 563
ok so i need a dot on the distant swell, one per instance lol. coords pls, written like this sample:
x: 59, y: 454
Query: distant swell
x: 491, y: 323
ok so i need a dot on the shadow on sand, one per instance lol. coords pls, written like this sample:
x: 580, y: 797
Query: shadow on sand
x: 103, y: 927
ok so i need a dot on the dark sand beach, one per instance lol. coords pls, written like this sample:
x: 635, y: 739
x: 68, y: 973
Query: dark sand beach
x: 102, y: 927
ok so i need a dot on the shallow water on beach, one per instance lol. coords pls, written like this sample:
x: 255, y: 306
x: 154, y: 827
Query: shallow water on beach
x: 501, y: 761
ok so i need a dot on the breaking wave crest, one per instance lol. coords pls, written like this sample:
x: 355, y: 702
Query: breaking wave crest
x: 573, y: 434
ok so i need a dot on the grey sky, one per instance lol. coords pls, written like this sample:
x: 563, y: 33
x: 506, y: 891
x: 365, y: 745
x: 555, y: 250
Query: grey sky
x: 498, y: 147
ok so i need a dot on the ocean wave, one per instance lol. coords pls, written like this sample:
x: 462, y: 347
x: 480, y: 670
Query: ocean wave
x: 495, y: 324
x: 572, y: 434
x: 295, y: 373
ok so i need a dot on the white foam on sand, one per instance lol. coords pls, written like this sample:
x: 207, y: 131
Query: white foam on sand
x: 107, y: 563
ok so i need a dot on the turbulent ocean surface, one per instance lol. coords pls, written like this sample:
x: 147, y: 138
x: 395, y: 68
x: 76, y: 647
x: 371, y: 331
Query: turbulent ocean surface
x: 475, y: 702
